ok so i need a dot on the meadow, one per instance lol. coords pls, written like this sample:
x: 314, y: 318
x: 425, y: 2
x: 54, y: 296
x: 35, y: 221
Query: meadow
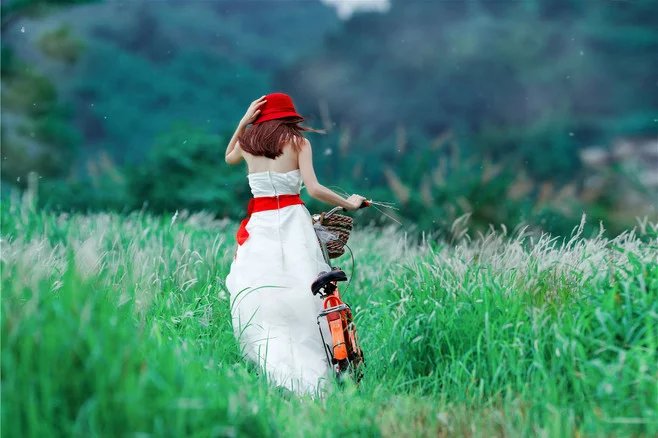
x: 118, y: 325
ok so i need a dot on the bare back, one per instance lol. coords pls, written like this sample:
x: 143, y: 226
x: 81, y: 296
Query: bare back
x: 286, y: 162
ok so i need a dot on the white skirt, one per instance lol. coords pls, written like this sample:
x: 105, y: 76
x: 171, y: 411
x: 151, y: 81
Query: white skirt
x: 273, y: 310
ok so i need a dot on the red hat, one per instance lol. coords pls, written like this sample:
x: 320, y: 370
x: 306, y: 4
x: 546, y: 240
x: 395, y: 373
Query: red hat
x: 278, y: 106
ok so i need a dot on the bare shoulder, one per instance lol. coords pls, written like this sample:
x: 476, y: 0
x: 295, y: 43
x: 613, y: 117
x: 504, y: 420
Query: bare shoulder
x: 305, y: 144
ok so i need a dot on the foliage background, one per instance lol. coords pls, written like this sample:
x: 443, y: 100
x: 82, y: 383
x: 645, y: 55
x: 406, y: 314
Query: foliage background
x: 509, y: 112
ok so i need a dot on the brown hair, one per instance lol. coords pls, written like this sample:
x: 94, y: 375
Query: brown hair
x: 268, y: 138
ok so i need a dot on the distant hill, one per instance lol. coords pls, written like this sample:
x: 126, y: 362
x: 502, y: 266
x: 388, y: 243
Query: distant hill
x: 125, y: 72
x: 530, y: 81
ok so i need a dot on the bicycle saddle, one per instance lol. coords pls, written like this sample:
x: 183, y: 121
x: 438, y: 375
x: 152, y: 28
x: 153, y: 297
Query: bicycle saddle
x: 325, y: 278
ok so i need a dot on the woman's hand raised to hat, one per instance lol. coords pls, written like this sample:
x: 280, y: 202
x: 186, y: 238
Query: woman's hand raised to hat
x: 253, y: 111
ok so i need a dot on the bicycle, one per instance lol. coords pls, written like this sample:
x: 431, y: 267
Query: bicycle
x: 344, y: 353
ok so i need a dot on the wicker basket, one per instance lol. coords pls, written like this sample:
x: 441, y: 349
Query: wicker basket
x: 334, y: 230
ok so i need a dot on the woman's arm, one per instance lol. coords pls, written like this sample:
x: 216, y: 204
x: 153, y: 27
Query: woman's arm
x: 317, y: 190
x: 233, y: 153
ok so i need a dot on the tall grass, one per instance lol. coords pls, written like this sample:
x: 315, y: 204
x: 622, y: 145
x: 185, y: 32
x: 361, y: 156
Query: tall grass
x: 119, y: 325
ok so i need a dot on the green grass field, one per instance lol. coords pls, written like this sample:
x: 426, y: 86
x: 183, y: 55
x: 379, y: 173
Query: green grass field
x: 119, y: 326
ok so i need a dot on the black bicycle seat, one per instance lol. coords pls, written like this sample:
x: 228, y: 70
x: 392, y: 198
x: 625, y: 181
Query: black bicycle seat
x: 327, y: 277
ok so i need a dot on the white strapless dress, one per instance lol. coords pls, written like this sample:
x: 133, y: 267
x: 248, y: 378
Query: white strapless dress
x: 272, y: 308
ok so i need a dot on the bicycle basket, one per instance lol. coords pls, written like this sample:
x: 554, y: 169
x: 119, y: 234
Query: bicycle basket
x: 334, y: 231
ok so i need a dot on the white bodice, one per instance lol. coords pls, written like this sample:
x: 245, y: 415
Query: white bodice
x: 270, y: 183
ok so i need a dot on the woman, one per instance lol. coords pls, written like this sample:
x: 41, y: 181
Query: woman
x: 278, y: 256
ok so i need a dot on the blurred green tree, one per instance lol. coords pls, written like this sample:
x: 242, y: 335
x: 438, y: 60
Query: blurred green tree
x: 186, y: 170
x: 37, y: 130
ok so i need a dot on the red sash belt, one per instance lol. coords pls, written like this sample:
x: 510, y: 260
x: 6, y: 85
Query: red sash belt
x: 264, y: 203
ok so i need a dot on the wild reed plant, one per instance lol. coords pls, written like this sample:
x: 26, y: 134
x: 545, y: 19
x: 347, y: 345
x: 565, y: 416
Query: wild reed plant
x: 118, y: 325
